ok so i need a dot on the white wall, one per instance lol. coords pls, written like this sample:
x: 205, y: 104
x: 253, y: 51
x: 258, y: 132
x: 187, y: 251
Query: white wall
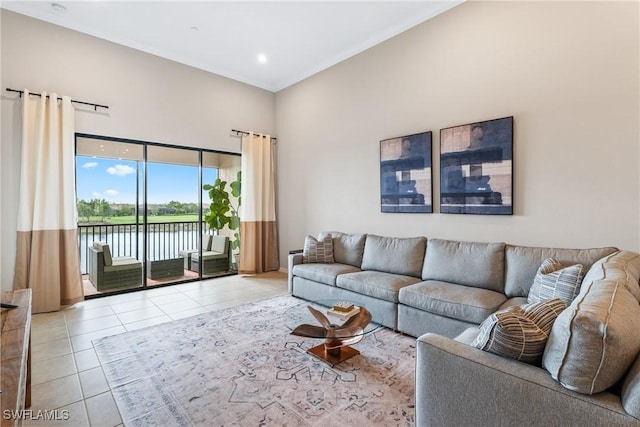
x: 567, y: 71
x: 150, y: 99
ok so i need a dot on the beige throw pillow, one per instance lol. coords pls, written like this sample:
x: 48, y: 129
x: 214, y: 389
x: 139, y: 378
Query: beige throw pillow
x: 317, y: 251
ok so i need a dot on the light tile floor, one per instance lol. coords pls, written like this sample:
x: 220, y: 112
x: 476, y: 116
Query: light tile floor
x: 66, y: 376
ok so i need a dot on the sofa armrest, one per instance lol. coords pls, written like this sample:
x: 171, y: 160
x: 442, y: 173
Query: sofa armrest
x: 460, y: 385
x: 294, y: 259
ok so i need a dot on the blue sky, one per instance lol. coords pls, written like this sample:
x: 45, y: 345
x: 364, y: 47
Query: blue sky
x: 115, y: 181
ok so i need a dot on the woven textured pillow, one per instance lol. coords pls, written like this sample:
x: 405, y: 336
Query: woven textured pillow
x: 317, y: 251
x: 520, y: 332
x: 555, y: 281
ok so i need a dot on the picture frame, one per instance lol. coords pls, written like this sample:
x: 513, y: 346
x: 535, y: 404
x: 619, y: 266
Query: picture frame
x: 406, y: 174
x: 476, y: 168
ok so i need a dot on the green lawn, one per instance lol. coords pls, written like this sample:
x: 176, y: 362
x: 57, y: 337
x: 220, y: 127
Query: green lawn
x: 152, y: 219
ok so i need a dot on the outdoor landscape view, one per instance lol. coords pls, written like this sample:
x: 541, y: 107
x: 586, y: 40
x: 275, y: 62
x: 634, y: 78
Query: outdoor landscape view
x: 109, y: 191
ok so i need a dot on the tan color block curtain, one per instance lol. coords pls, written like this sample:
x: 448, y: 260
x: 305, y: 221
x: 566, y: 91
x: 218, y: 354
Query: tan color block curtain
x: 47, y: 259
x: 258, y: 230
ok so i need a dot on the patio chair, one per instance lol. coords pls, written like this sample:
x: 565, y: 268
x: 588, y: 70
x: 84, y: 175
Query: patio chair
x: 187, y: 253
x: 215, y: 260
x: 107, y: 272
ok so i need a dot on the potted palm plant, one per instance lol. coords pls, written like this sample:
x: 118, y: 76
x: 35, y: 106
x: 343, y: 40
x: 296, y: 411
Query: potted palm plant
x: 223, y: 210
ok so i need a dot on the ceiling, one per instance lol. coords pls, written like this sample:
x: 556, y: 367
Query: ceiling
x: 297, y: 38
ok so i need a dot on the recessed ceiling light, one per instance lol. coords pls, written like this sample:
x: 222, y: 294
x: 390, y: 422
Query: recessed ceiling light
x: 58, y: 8
x: 262, y: 58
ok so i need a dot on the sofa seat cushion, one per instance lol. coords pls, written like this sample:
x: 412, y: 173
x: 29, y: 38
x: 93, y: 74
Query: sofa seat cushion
x: 209, y: 255
x: 595, y: 340
x: 468, y: 336
x: 323, y: 273
x: 384, y: 286
x: 123, y: 263
x: 451, y: 300
x: 396, y: 255
x: 480, y: 265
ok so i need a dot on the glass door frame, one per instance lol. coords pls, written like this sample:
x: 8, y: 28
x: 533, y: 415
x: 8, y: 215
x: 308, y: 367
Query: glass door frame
x: 145, y: 210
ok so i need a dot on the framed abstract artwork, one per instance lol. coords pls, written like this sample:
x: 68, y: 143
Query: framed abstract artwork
x: 405, y: 174
x: 476, y: 168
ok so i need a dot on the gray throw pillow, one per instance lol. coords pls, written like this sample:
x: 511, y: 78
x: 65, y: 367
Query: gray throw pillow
x: 555, y: 281
x: 347, y: 248
x: 317, y: 251
x: 520, y: 332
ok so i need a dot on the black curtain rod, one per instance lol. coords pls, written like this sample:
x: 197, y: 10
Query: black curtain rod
x: 244, y: 132
x: 95, y: 106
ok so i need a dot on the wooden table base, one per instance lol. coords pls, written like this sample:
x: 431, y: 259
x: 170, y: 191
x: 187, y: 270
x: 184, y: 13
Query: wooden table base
x: 333, y: 356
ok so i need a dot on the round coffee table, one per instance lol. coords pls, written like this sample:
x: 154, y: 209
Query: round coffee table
x: 314, y: 319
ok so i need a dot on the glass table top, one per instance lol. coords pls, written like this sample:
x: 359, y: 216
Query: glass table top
x: 341, y: 327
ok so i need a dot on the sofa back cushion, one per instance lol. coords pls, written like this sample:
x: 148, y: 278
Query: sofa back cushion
x: 522, y: 264
x: 206, y: 241
x: 104, y: 248
x: 595, y: 340
x: 347, y: 248
x: 219, y: 244
x: 480, y: 265
x: 394, y: 254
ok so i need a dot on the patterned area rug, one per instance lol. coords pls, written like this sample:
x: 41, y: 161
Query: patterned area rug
x: 240, y: 366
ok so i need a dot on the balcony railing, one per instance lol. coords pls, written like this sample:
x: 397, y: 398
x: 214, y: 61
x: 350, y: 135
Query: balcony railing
x: 164, y: 239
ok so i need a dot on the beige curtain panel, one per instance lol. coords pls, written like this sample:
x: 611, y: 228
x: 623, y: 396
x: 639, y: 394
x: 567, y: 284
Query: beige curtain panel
x: 258, y: 231
x: 47, y: 259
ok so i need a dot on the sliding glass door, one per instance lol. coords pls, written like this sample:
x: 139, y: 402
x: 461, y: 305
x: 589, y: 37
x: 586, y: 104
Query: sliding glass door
x: 107, y: 192
x: 218, y: 169
x: 141, y: 213
x: 172, y: 219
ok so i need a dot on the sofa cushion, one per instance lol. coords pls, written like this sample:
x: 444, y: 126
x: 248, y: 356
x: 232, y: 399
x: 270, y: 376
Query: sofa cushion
x: 630, y: 394
x: 219, y: 244
x: 317, y: 251
x: 520, y: 332
x: 323, y: 273
x: 555, y: 281
x: 106, y: 252
x: 347, y: 248
x: 595, y: 340
x: 480, y: 265
x: 522, y: 263
x: 466, y: 303
x: 468, y: 335
x: 394, y: 254
x: 622, y: 265
x: 377, y: 284
x: 209, y: 255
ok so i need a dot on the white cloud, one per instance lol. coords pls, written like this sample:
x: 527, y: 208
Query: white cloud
x: 121, y: 170
x: 111, y: 193
x: 89, y: 165
x: 96, y: 195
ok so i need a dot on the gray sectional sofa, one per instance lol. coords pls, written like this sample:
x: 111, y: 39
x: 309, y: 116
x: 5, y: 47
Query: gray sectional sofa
x: 440, y: 291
